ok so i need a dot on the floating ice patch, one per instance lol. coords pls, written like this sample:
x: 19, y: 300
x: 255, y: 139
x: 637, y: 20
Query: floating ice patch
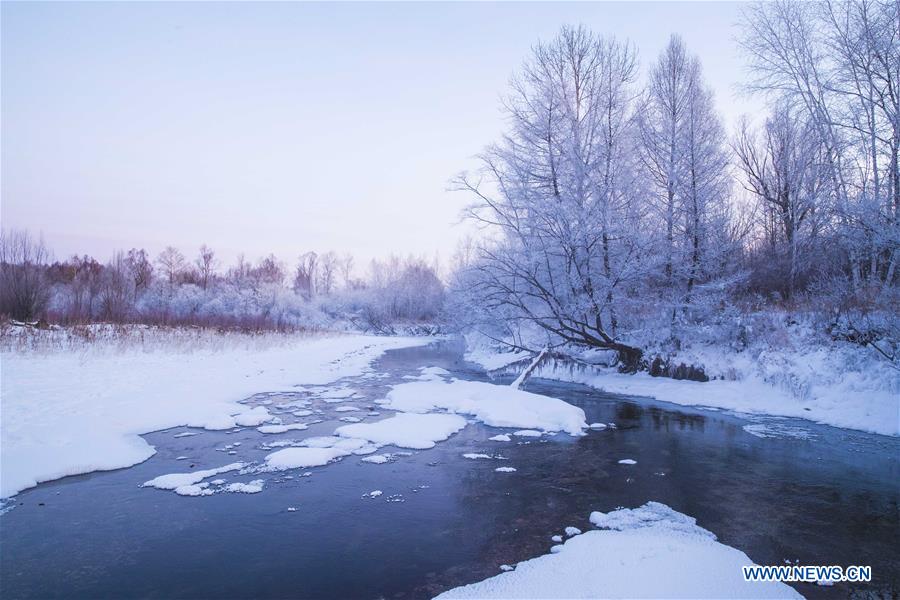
x: 377, y: 459
x: 528, y: 433
x: 336, y: 395
x: 570, y: 531
x: 186, y: 484
x: 253, y: 487
x: 494, y: 405
x: 598, y: 426
x: 181, y: 458
x: 351, y: 445
x: 406, y: 430
x: 282, y: 428
x: 500, y: 438
x: 777, y: 430
x: 627, y: 461
x: 556, y: 538
x: 372, y: 494
x: 345, y: 408
x: 253, y: 417
x: 350, y: 419
x: 506, y: 568
x: 296, y: 458
x: 186, y: 434
x: 505, y: 469
x: 302, y: 413
x: 476, y: 456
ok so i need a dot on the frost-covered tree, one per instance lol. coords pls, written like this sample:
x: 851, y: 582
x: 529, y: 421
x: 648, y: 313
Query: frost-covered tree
x: 24, y: 290
x: 327, y: 273
x: 567, y: 250
x: 839, y: 64
x: 171, y: 262
x: 782, y: 167
x: 305, y: 275
x: 206, y: 265
x: 686, y: 162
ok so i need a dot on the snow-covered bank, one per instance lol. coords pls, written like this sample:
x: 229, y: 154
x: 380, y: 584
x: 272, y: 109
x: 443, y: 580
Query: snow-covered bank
x: 647, y: 552
x: 67, y: 413
x: 827, y: 386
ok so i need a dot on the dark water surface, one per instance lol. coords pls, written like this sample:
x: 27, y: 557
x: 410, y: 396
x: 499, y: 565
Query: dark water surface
x: 829, y: 499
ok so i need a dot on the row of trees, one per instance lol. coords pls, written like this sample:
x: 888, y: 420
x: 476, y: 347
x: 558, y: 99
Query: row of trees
x: 171, y: 289
x: 614, y: 206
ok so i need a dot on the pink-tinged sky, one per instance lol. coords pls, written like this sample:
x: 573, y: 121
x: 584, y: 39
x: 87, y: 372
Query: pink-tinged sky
x: 281, y: 127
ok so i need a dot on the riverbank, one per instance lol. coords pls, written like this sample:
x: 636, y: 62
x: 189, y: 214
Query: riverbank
x: 839, y: 384
x: 73, y: 405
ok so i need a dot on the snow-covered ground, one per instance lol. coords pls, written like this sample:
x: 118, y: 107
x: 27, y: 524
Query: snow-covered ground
x: 826, y: 385
x: 74, y: 410
x: 647, y: 552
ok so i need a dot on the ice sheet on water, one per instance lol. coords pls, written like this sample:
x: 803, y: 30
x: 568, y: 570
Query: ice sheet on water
x: 528, y: 433
x: 282, y: 428
x: 406, y: 430
x: 686, y: 561
x: 779, y: 430
x: 494, y: 405
x: 187, y: 484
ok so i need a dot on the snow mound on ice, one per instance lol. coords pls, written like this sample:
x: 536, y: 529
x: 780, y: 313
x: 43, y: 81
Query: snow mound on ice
x: 686, y: 562
x: 494, y: 405
x: 253, y: 487
x: 282, y: 428
x: 185, y: 484
x: 296, y: 458
x: 405, y: 430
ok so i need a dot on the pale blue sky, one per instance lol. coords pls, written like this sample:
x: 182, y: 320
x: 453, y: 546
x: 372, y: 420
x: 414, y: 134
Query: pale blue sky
x: 280, y: 127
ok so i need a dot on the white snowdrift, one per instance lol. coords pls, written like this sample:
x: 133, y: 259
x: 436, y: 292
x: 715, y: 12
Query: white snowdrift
x: 494, y: 405
x: 647, y: 552
x: 66, y: 413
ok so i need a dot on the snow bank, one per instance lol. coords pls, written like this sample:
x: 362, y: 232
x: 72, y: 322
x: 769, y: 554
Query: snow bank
x: 69, y: 413
x: 839, y: 405
x: 406, y: 430
x: 494, y: 405
x: 836, y: 385
x: 682, y: 559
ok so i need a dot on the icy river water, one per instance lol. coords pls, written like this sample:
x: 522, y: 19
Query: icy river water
x: 812, y: 494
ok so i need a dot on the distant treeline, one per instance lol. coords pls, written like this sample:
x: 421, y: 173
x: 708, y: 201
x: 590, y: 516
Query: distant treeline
x: 170, y: 289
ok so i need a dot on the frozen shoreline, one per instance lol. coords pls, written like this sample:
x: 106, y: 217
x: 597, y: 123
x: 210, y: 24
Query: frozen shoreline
x: 68, y: 413
x: 848, y: 399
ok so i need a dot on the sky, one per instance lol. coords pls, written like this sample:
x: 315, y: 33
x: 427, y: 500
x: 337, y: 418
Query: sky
x: 282, y: 127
